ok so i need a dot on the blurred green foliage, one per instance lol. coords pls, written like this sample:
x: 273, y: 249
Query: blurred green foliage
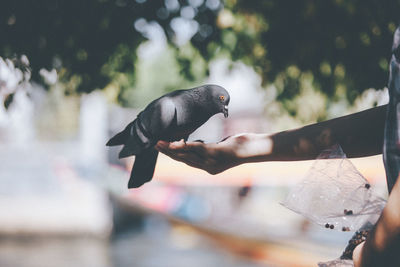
x: 340, y: 46
x: 344, y: 44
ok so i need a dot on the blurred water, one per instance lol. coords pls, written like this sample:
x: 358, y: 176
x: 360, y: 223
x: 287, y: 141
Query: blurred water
x: 142, y: 247
x: 160, y: 244
x: 50, y: 217
x: 53, y: 252
x: 41, y: 193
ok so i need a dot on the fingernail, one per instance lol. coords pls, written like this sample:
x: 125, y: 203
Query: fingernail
x: 162, y: 144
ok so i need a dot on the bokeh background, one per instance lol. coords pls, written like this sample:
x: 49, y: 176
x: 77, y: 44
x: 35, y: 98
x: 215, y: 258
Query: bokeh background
x: 73, y: 73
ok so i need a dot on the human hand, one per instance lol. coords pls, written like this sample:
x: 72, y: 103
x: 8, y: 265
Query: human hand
x: 217, y: 157
x: 213, y: 158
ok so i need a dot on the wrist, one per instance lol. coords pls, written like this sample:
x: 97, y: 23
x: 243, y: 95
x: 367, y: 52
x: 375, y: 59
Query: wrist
x: 251, y: 147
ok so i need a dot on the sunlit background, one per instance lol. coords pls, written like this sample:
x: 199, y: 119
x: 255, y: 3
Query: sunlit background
x: 73, y: 73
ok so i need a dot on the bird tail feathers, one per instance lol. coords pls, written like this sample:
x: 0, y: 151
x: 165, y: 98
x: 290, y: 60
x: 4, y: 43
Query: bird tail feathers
x: 129, y: 138
x: 118, y: 139
x: 130, y: 149
x: 143, y: 168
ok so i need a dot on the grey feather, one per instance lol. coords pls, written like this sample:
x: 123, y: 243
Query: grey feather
x: 172, y: 117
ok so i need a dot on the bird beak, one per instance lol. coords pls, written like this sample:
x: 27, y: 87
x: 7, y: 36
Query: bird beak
x: 225, y: 111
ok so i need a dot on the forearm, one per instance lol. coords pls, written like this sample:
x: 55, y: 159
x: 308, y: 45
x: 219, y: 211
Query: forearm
x: 359, y: 134
x: 383, y: 244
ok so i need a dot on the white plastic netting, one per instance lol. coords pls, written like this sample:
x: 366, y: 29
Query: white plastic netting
x: 335, y: 195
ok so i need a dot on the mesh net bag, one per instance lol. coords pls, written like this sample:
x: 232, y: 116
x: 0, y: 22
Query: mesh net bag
x: 335, y: 195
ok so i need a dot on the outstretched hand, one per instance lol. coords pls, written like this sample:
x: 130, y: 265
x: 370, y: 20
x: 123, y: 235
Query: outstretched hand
x: 213, y: 158
x: 216, y: 157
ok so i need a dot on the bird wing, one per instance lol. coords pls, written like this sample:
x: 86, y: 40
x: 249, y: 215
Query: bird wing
x: 149, y: 126
x: 157, y: 118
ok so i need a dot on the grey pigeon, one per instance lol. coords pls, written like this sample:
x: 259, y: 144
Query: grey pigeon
x: 171, y: 117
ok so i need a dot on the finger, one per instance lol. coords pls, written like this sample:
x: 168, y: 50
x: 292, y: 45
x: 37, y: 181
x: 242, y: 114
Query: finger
x: 173, y: 155
x: 162, y: 144
x: 179, y: 145
x: 197, y: 147
x: 190, y: 159
x: 182, y: 156
x: 174, y: 146
x: 178, y: 154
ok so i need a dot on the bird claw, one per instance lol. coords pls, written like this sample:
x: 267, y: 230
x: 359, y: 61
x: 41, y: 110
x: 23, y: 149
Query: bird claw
x: 224, y: 139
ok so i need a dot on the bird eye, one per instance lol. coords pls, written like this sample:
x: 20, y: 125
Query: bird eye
x: 222, y: 98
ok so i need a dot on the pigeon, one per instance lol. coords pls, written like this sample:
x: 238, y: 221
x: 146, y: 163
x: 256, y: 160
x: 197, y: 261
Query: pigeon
x: 172, y: 117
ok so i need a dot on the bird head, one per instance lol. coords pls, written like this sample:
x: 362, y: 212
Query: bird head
x: 220, y: 97
x: 224, y: 105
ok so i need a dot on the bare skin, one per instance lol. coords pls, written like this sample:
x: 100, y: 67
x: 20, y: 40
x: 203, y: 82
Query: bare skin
x: 359, y: 134
x: 383, y: 244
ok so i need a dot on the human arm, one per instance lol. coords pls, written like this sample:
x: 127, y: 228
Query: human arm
x: 359, y: 134
x: 383, y: 243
